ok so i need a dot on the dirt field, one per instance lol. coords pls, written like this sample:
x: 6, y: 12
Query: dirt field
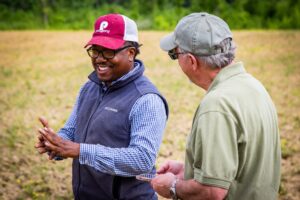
x: 41, y: 73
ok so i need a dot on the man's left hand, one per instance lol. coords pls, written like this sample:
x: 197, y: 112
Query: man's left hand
x: 162, y: 183
x: 59, y: 146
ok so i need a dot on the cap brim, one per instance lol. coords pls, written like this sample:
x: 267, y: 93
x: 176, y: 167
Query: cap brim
x: 167, y: 43
x: 107, y: 42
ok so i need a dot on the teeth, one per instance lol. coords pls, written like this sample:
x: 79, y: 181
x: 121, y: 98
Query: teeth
x: 102, y: 67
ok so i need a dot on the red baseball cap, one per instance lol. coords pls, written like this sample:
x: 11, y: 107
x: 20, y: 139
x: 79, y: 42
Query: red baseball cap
x: 112, y: 30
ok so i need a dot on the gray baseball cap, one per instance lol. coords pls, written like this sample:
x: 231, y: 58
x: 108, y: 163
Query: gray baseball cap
x: 198, y: 33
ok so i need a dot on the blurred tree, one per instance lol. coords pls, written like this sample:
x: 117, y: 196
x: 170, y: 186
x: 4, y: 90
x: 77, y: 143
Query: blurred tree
x: 134, y: 8
x: 45, y: 12
x: 157, y: 14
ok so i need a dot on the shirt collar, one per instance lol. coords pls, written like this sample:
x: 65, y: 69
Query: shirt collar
x: 226, y: 73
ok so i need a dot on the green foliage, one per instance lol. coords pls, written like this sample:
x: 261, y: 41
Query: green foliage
x: 156, y: 14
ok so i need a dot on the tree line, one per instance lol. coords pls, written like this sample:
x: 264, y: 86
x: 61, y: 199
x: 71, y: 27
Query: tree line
x: 149, y: 14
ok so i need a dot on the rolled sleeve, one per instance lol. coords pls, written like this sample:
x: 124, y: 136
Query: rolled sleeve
x: 216, y: 150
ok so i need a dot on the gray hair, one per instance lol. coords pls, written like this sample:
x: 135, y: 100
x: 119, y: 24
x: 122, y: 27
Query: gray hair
x: 225, y: 57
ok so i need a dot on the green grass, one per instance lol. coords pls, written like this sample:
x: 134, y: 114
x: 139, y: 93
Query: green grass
x: 41, y: 73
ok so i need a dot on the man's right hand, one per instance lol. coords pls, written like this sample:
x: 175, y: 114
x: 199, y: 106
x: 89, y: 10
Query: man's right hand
x: 40, y: 145
x: 175, y: 167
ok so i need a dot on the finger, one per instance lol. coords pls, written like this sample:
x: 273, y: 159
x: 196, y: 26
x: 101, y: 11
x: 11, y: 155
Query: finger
x: 41, y: 150
x: 49, y: 130
x: 44, y: 121
x: 49, y: 135
x: 50, y: 146
x: 43, y: 135
x: 52, y: 155
x: 163, y: 169
x: 41, y: 138
x: 39, y: 144
x: 42, y: 132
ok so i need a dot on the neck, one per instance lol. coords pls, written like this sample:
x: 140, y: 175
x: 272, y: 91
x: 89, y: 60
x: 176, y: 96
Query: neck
x: 206, y: 77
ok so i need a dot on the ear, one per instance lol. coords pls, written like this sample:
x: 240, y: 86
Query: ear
x: 131, y: 53
x: 193, y: 61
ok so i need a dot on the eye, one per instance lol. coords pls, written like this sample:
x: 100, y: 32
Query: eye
x: 92, y: 53
x: 108, y: 53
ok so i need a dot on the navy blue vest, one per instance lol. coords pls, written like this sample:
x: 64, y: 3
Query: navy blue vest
x: 103, y: 118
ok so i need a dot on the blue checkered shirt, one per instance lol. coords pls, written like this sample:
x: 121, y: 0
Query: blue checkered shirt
x: 148, y: 120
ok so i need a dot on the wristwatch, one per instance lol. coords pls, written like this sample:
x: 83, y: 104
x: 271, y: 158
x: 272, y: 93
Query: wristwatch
x: 173, y: 190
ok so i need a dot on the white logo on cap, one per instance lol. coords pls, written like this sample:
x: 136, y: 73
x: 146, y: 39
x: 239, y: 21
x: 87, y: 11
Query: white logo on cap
x: 102, y: 26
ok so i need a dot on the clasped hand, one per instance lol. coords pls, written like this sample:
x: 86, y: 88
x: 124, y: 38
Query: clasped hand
x: 167, y: 173
x: 50, y: 142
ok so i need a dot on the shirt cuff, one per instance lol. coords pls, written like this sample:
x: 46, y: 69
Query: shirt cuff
x: 207, y: 180
x: 87, y: 154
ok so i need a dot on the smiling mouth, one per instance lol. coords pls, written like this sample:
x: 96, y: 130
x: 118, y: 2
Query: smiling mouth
x: 102, y: 68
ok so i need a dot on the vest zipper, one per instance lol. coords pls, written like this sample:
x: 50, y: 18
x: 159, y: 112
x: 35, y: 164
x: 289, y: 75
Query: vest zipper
x: 94, y: 111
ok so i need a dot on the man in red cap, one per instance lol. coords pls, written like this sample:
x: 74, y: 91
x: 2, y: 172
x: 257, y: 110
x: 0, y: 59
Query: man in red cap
x: 116, y: 126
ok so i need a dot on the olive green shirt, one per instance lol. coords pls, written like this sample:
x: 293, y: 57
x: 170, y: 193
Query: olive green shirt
x: 234, y: 141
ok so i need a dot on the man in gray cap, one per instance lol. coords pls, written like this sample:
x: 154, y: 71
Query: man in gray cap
x: 233, y: 150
